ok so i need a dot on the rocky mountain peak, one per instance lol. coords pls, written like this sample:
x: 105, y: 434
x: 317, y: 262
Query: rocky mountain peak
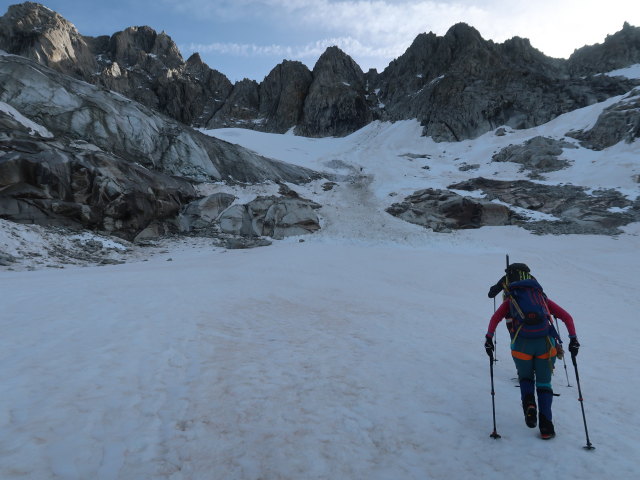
x: 195, y: 60
x: 334, y: 65
x: 34, y: 17
x: 463, y: 35
x: 337, y: 101
x: 34, y: 31
x: 130, y: 46
x: 282, y: 95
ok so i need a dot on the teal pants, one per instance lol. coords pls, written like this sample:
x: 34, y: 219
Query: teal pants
x: 535, y: 359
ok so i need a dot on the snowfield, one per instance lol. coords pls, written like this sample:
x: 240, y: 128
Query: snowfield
x: 353, y: 353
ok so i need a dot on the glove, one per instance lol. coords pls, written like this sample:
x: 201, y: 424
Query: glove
x: 488, y: 346
x: 574, y: 346
x: 559, y: 351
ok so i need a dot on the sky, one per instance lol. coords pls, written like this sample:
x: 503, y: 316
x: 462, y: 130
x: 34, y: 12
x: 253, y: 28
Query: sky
x: 247, y: 38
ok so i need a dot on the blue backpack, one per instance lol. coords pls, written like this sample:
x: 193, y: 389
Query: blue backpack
x: 529, y: 308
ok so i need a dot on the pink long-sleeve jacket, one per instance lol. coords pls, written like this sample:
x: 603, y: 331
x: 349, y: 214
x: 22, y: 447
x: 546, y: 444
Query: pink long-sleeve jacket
x: 554, y: 308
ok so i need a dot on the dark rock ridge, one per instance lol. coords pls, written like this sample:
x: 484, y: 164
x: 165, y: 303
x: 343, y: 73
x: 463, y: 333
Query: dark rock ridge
x: 618, y: 51
x: 459, y: 85
x: 575, y: 210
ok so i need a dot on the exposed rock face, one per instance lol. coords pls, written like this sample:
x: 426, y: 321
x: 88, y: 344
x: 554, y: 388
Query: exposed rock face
x: 282, y: 95
x: 272, y: 216
x: 147, y: 67
x: 443, y: 211
x: 617, y: 51
x: 129, y: 130
x: 241, y: 107
x: 203, y: 212
x: 52, y: 182
x: 336, y: 103
x: 538, y: 155
x: 460, y: 86
x: 280, y: 217
x: 619, y: 122
x: 137, y: 45
x: 207, y: 90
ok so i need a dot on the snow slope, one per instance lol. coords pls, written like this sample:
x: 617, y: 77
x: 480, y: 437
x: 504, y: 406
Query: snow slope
x: 356, y: 354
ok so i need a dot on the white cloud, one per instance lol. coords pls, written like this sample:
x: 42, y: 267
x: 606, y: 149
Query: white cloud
x: 310, y: 51
x: 380, y: 30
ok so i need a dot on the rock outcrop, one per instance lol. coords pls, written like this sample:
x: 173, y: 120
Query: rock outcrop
x: 137, y: 62
x: 241, y: 108
x: 75, y: 155
x: 617, y: 123
x: 570, y: 208
x: 275, y: 216
x: 203, y: 212
x: 575, y: 210
x: 443, y: 211
x: 537, y: 155
x: 34, y: 31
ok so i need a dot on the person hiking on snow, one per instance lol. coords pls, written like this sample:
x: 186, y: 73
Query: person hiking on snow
x: 514, y: 273
x: 533, y: 346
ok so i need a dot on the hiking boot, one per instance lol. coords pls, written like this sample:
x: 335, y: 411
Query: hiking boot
x: 546, y: 428
x: 530, y: 415
x: 530, y: 412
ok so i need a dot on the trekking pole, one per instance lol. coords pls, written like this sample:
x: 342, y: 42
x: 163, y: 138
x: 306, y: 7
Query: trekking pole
x: 495, y: 350
x: 494, y: 434
x: 588, y: 446
x: 564, y: 361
